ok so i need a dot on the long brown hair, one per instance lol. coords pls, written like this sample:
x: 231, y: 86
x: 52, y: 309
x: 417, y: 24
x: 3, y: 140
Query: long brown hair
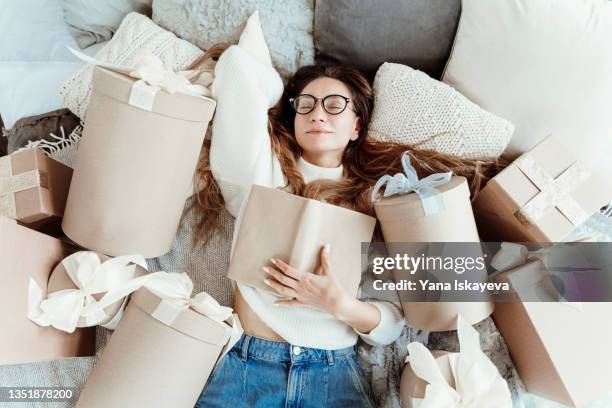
x: 364, y: 160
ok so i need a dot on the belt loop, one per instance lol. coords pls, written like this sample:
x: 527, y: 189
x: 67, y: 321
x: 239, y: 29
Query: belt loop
x: 330, y: 357
x: 245, y: 347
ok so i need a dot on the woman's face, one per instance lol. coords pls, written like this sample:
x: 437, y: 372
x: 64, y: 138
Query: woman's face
x: 321, y: 135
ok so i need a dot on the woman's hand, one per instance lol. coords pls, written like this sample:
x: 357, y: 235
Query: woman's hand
x: 320, y: 291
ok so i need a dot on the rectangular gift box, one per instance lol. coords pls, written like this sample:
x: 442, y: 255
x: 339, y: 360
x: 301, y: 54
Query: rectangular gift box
x: 541, y: 197
x: 33, y: 187
x: 558, y: 348
x: 148, y: 363
x: 25, y: 254
x: 402, y: 219
x: 135, y: 167
x: 276, y: 224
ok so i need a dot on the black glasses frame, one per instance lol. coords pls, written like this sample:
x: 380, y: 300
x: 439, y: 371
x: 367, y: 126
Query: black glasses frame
x: 293, y: 102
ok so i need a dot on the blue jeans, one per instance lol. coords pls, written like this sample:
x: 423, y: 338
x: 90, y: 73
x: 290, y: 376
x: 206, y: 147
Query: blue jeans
x: 264, y: 373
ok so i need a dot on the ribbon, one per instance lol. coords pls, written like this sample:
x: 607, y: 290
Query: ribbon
x: 63, y: 309
x: 553, y: 192
x: 478, y: 384
x: 409, y: 182
x: 175, y: 290
x: 152, y: 76
x: 13, y: 183
x: 512, y: 255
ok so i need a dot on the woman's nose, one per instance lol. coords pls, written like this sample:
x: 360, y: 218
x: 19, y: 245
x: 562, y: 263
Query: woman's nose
x: 318, y: 113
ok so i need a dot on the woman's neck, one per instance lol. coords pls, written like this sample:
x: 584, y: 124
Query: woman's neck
x: 311, y: 172
x: 329, y: 161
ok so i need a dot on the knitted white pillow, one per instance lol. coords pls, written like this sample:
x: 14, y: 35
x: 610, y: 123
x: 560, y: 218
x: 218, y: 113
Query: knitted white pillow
x: 412, y: 108
x: 287, y: 25
x: 135, y: 33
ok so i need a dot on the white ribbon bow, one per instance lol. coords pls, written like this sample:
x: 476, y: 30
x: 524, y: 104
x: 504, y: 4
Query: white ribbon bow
x: 478, y: 384
x: 512, y: 255
x: 153, y: 76
x: 409, y: 182
x: 63, y: 309
x: 175, y: 290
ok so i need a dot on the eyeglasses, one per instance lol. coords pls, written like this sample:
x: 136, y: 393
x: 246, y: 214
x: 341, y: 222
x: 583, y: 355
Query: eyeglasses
x: 332, y: 104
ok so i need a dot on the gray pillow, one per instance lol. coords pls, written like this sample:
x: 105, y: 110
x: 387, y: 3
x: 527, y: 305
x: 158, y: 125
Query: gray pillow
x: 365, y: 33
x: 287, y: 25
x: 95, y: 21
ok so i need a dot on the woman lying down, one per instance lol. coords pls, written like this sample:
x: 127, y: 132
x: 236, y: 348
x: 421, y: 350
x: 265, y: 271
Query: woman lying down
x: 312, y: 142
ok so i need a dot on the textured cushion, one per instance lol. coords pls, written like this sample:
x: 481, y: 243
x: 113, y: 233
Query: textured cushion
x: 135, y: 33
x: 287, y: 25
x: 94, y: 21
x: 414, y: 109
x: 366, y: 33
x: 545, y: 65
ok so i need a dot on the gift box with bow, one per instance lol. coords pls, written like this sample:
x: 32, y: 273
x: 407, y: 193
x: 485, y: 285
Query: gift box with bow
x: 143, y: 133
x: 556, y: 345
x: 78, y: 282
x: 28, y: 256
x: 541, y: 197
x: 467, y: 379
x: 436, y: 208
x: 33, y: 188
x: 281, y: 225
x: 164, y: 348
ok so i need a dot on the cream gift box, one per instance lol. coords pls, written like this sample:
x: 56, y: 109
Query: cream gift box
x: 33, y: 187
x: 541, y: 197
x: 136, y: 160
x: 555, y: 345
x: 29, y: 255
x: 277, y: 224
x: 433, y: 209
x: 164, y: 349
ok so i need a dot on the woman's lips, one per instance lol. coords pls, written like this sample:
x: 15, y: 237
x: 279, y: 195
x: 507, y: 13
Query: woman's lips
x: 318, y: 132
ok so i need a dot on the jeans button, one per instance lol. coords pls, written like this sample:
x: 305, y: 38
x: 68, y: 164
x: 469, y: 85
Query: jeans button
x: 296, y: 350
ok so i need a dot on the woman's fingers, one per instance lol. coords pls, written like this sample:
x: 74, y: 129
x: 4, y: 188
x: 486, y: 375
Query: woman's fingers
x: 281, y: 277
x: 325, y: 259
x: 280, y: 288
x: 290, y: 302
x: 286, y: 268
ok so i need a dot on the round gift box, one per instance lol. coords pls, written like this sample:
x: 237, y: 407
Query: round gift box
x: 134, y: 169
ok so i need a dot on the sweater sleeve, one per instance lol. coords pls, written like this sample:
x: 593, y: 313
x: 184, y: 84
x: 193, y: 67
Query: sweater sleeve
x: 246, y: 86
x: 389, y: 328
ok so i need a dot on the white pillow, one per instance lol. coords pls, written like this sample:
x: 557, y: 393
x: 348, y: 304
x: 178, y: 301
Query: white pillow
x: 412, y: 108
x: 287, y: 25
x: 30, y: 88
x: 34, y: 30
x: 94, y: 21
x: 136, y: 33
x: 545, y: 65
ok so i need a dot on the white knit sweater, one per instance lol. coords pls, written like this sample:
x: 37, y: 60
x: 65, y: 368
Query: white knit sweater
x: 245, y: 87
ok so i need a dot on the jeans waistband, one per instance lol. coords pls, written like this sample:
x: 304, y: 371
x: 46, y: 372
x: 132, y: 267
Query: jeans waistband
x: 276, y: 351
